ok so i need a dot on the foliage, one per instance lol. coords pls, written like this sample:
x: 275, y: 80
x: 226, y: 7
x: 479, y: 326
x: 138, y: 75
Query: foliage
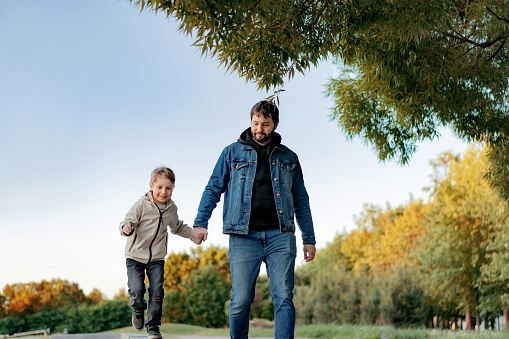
x: 179, y: 266
x: 197, y: 287
x: 403, y: 265
x: 262, y: 306
x: 77, y: 318
x: 10, y: 325
x: 28, y: 298
x: 95, y: 297
x: 206, y: 294
x: 174, y: 310
x: 121, y: 295
x: 463, y: 214
x: 407, y: 67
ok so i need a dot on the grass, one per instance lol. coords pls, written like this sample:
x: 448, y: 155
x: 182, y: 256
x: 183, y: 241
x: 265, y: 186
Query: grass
x: 328, y: 331
x: 321, y: 331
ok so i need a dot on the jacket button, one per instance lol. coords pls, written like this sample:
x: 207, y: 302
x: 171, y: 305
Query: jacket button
x: 273, y: 163
x: 278, y: 195
x: 275, y: 179
x: 284, y: 229
x: 280, y: 211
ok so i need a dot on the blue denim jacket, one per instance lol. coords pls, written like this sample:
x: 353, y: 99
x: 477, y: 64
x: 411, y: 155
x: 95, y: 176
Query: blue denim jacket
x: 234, y: 174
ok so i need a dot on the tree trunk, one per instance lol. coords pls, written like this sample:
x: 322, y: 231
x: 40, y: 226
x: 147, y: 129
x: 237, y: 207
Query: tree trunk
x: 477, y: 320
x: 506, y: 319
x: 468, y: 322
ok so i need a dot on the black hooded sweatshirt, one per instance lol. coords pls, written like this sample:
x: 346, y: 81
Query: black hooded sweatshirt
x: 263, y: 206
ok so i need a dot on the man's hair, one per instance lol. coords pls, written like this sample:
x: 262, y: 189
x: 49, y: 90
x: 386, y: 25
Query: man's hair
x: 267, y: 109
x: 164, y: 172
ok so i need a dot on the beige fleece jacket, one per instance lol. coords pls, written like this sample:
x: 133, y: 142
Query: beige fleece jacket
x: 149, y: 240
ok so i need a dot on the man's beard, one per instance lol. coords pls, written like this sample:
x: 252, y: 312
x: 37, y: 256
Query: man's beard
x: 265, y: 138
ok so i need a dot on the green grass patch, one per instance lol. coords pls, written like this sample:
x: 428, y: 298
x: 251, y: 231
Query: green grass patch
x: 326, y: 331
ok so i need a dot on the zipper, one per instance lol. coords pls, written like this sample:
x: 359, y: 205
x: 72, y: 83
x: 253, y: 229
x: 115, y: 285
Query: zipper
x: 155, y: 235
x: 135, y: 236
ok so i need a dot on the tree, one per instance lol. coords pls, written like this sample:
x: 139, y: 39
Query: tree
x: 95, y: 297
x: 121, y: 295
x: 27, y: 298
x: 408, y: 66
x: 459, y: 224
x: 177, y: 268
x: 496, y: 273
x: 206, y: 293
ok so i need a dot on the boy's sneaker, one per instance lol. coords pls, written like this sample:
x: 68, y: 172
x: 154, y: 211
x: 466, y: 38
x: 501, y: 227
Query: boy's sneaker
x: 153, y: 333
x: 138, y: 320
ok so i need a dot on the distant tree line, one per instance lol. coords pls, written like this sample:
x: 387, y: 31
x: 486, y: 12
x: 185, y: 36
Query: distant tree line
x: 423, y: 263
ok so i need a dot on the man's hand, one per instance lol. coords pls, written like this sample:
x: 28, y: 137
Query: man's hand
x: 127, y: 229
x: 309, y: 252
x: 198, y: 235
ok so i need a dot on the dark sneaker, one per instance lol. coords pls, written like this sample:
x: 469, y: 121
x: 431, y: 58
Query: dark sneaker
x: 138, y: 320
x: 153, y: 333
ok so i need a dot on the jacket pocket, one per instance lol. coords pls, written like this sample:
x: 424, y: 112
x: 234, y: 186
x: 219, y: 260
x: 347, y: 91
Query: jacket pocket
x: 239, y: 171
x: 286, y: 172
x: 134, y: 240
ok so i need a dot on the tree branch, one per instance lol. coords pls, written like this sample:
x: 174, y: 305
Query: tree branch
x: 496, y: 16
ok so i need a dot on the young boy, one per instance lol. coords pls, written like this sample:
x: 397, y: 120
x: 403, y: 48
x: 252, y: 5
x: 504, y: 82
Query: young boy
x: 145, y: 226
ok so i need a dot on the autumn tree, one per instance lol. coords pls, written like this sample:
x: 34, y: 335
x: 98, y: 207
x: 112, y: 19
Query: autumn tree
x: 95, y: 297
x: 407, y: 67
x: 27, y: 298
x: 179, y: 267
x: 459, y: 223
x: 121, y: 295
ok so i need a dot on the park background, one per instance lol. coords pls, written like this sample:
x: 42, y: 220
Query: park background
x: 95, y: 95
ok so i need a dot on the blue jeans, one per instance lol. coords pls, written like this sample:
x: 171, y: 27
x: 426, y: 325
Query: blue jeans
x: 136, y: 284
x: 246, y: 254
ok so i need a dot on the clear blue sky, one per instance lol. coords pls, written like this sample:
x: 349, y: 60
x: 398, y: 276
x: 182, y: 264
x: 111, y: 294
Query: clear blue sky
x: 94, y: 95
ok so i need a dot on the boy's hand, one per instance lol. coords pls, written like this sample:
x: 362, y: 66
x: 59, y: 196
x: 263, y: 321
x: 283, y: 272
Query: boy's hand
x: 127, y: 229
x: 198, y: 235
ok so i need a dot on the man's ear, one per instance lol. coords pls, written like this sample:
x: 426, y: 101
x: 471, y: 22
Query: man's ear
x: 275, y: 125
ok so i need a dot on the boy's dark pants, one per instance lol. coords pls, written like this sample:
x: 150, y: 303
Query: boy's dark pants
x: 136, y: 284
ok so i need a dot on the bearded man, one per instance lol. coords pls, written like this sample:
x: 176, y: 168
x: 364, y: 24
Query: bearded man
x: 264, y: 193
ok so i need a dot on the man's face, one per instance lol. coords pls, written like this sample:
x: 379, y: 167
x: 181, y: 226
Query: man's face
x: 161, y: 188
x: 262, y: 128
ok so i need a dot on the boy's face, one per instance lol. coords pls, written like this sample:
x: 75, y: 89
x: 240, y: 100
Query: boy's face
x: 161, y: 188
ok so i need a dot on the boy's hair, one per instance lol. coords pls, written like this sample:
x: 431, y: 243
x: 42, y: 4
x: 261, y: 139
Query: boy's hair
x: 267, y: 109
x: 162, y: 172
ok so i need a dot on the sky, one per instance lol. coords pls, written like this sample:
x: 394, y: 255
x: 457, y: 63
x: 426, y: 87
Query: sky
x: 94, y: 95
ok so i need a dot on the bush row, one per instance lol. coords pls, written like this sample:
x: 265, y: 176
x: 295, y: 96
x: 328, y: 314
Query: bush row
x: 78, y: 318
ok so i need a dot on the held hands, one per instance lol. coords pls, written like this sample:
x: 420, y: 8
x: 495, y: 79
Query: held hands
x: 309, y: 252
x: 127, y: 229
x: 198, y: 235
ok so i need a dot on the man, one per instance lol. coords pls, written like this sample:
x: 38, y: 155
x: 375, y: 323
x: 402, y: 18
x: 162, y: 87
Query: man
x: 264, y: 192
